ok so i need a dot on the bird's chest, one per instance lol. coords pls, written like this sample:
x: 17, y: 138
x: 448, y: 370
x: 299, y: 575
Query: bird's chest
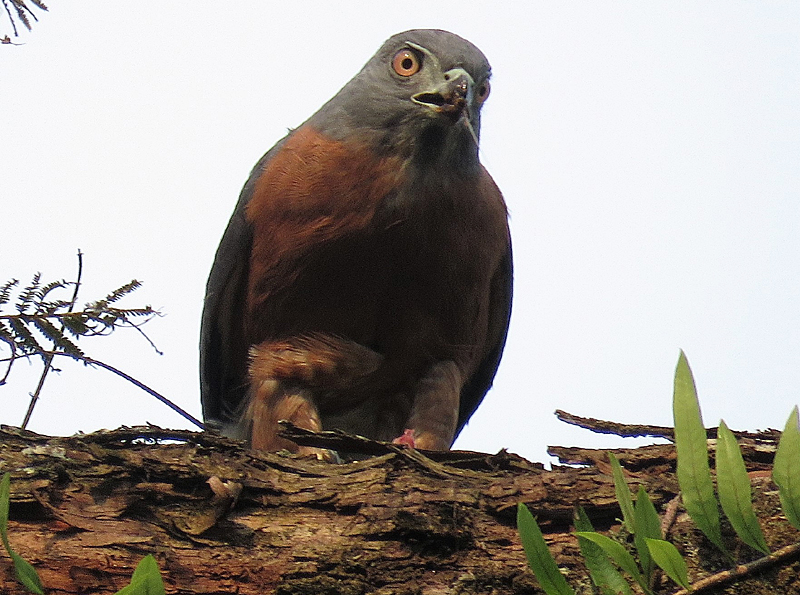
x: 356, y: 247
x: 440, y: 245
x: 438, y: 233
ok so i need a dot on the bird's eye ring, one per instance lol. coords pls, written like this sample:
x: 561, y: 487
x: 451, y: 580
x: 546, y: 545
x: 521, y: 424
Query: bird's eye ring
x: 482, y: 92
x: 406, y: 62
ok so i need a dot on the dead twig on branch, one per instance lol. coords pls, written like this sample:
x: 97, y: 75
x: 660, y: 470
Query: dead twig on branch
x: 602, y: 426
x: 781, y: 556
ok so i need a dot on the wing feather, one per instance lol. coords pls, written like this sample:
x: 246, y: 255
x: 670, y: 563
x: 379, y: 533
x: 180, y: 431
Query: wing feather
x: 223, y: 345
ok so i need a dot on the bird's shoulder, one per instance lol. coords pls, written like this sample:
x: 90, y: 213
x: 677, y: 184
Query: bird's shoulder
x: 314, y: 177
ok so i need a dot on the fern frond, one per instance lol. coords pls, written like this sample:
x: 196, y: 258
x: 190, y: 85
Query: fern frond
x: 121, y: 292
x: 75, y: 324
x: 5, y: 291
x: 19, y: 5
x: 22, y: 13
x: 42, y: 292
x: 140, y: 312
x: 5, y: 332
x: 28, y: 294
x: 50, y: 308
x: 108, y: 319
x: 24, y: 339
x: 60, y: 341
x: 42, y: 317
x: 123, y: 315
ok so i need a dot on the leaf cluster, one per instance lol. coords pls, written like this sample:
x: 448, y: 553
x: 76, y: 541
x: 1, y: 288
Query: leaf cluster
x: 43, y: 314
x: 21, y: 13
x: 603, y: 555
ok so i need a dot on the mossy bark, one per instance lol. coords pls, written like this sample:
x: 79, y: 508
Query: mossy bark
x: 223, y: 519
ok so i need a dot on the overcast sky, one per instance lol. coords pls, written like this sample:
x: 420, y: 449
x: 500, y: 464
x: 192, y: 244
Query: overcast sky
x: 649, y: 155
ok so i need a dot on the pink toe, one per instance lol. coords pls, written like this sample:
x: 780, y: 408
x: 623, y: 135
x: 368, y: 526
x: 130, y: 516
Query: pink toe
x: 407, y: 438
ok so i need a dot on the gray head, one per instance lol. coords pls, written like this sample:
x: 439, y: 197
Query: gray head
x: 419, y: 96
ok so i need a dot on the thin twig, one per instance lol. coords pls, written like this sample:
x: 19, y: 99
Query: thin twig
x: 89, y: 314
x: 48, y: 360
x: 602, y: 426
x: 94, y: 362
x: 782, y: 555
x: 22, y: 4
x: 77, y: 282
x: 146, y: 338
x: 670, y: 514
x: 13, y: 349
x: 11, y: 18
x: 457, y: 461
x: 151, y: 433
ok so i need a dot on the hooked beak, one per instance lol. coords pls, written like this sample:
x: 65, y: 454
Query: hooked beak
x: 451, y: 98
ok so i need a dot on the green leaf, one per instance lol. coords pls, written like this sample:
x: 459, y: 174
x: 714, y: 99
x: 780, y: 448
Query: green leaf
x: 136, y: 587
x: 733, y: 485
x: 786, y: 469
x: 5, y: 488
x: 617, y: 552
x: 146, y: 579
x: 648, y: 525
x: 148, y: 569
x: 540, y: 559
x: 623, y: 494
x: 669, y: 560
x: 694, y: 474
x: 26, y: 574
x: 603, y: 574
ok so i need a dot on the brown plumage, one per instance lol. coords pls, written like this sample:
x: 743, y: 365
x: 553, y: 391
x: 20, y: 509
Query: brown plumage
x: 364, y: 281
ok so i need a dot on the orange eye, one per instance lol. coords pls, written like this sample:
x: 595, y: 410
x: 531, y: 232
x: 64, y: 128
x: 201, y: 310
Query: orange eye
x: 482, y: 92
x: 405, y: 63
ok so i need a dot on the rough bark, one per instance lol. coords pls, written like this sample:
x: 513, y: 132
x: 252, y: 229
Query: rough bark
x: 222, y: 519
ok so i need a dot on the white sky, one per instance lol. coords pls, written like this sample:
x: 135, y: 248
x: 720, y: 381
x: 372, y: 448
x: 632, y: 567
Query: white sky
x: 649, y: 154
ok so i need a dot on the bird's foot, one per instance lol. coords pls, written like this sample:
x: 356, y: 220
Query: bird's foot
x: 406, y: 438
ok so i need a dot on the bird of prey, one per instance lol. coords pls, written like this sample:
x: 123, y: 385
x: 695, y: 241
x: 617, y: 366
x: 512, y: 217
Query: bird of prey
x: 364, y: 280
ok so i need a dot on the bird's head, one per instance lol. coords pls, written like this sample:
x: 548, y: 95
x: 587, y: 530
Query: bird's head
x: 419, y: 96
